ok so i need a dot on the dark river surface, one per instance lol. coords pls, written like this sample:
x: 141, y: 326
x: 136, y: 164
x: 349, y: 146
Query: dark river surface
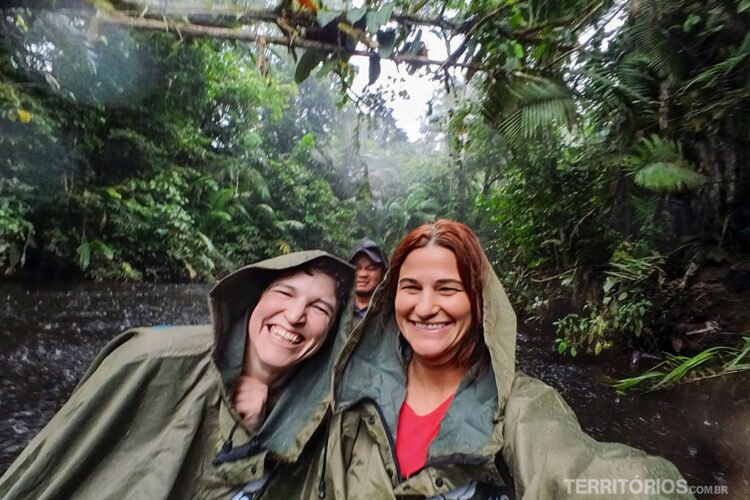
x: 49, y: 334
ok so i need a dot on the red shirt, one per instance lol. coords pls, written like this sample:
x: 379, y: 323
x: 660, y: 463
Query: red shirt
x: 415, y: 434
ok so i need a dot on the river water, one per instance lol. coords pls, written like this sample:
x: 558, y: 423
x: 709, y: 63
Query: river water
x: 49, y: 335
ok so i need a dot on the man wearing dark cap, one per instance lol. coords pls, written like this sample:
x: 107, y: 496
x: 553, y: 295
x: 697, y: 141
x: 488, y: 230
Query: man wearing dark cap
x: 371, y: 264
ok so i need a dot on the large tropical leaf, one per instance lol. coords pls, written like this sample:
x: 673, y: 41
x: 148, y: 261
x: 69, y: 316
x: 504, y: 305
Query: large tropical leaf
x: 662, y: 176
x: 658, y: 165
x: 524, y: 108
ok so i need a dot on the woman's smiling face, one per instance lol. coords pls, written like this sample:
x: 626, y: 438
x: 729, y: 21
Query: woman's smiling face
x: 432, y: 308
x: 291, y: 320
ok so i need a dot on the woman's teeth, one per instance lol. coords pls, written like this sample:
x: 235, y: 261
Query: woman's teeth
x: 431, y: 326
x: 285, y: 336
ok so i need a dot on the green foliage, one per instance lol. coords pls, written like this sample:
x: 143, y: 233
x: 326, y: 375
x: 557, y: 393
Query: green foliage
x: 397, y: 217
x: 667, y: 177
x: 308, y: 62
x: 135, y: 156
x: 712, y: 362
x: 311, y: 215
x: 145, y: 156
x: 86, y: 249
x: 659, y: 165
x: 524, y: 109
x: 152, y: 223
x: 623, y: 313
x: 16, y: 233
x: 534, y: 209
x: 657, y: 106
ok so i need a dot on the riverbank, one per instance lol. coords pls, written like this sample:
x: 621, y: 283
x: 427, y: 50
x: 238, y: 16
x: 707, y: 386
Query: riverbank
x: 683, y: 315
x: 702, y: 427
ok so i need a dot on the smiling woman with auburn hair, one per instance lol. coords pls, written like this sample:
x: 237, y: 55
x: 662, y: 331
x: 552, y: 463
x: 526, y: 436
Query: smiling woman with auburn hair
x: 462, y: 242
x: 428, y: 402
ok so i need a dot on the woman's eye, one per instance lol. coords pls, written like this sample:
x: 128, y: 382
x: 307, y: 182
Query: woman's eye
x: 283, y: 292
x: 322, y: 309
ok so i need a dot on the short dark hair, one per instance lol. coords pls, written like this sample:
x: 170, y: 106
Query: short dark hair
x: 325, y: 266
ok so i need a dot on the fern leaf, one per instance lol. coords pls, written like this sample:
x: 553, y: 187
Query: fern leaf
x: 668, y: 177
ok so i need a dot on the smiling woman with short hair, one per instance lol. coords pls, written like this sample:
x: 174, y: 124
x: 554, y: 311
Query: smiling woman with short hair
x: 216, y: 411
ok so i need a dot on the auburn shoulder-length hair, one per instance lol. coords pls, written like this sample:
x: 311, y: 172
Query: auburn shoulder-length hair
x: 464, y: 244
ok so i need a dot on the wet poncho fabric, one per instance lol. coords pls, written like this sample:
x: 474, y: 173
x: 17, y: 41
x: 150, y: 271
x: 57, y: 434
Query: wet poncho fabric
x: 505, y: 433
x: 152, y: 417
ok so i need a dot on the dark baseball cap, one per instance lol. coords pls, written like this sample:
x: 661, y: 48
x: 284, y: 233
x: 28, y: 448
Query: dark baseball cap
x: 372, y: 250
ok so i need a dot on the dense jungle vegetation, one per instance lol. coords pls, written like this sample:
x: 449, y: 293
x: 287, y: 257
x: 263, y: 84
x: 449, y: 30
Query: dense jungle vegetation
x: 600, y: 149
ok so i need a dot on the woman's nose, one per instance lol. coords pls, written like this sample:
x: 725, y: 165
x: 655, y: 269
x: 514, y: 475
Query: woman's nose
x: 425, y: 305
x: 295, y: 312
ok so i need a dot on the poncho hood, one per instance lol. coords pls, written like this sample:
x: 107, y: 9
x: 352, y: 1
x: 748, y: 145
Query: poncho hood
x: 307, y: 396
x: 373, y: 367
x: 153, y: 415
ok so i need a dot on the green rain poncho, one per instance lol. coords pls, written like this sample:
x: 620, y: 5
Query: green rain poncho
x: 501, y: 425
x: 152, y: 417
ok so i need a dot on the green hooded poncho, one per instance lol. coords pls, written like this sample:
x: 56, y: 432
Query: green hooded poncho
x: 152, y: 417
x: 505, y: 433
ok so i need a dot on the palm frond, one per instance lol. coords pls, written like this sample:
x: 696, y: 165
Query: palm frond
x: 658, y: 165
x: 283, y: 246
x: 291, y: 224
x: 263, y: 207
x: 644, y: 32
x: 523, y: 108
x: 258, y: 181
x: 668, y: 177
x: 713, y: 362
x: 645, y: 207
x: 655, y: 149
x: 710, y: 75
x: 631, y: 74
